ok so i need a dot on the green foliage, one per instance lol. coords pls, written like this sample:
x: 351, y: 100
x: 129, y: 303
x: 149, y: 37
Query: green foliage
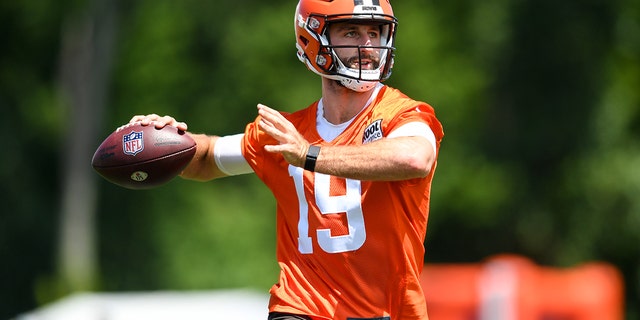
x: 539, y: 100
x: 223, y: 235
x: 212, y: 235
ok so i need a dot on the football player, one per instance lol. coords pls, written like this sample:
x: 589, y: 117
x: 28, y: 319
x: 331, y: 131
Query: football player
x: 351, y: 173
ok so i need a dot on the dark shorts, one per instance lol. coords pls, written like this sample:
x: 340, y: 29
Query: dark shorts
x: 286, y: 316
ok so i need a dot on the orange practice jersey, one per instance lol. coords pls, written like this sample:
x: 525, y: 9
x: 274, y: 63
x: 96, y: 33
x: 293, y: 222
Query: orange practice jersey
x: 348, y: 248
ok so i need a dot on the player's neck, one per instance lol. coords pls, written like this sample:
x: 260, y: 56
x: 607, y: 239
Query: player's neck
x: 342, y: 104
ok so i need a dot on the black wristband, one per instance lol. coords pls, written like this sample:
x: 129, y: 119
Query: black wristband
x: 312, y: 156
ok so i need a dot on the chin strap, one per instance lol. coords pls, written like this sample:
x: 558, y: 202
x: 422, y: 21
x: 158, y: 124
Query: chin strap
x: 357, y: 85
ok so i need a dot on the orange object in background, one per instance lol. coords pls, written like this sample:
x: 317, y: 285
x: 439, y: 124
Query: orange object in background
x: 510, y: 287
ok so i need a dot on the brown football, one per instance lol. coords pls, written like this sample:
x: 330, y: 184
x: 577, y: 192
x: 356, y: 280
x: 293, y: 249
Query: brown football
x: 143, y: 157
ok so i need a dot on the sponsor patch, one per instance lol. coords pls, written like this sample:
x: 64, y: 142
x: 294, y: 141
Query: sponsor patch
x: 133, y: 143
x: 372, y: 132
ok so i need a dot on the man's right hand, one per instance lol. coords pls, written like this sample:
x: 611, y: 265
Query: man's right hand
x: 158, y: 121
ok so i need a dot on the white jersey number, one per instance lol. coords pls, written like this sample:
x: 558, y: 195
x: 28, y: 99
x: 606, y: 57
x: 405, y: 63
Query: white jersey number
x: 348, y: 204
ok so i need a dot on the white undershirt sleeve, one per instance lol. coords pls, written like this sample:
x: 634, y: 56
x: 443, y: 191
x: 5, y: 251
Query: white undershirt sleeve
x: 227, y: 153
x: 413, y: 129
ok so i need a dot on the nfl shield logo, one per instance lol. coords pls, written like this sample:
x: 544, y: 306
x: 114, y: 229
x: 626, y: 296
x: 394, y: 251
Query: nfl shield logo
x: 132, y: 143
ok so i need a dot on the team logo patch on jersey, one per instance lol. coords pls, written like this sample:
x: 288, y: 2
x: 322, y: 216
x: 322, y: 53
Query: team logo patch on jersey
x: 133, y: 143
x: 372, y: 132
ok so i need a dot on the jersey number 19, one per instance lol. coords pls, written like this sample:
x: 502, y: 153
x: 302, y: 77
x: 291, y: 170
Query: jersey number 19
x: 349, y: 204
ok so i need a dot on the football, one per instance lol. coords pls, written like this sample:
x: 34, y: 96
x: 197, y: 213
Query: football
x: 143, y: 157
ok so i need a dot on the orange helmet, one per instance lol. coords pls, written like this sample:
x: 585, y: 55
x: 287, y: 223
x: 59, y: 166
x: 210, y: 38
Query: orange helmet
x: 313, y: 17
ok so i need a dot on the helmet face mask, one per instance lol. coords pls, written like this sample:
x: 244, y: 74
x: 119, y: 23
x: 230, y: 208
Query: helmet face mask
x: 312, y: 23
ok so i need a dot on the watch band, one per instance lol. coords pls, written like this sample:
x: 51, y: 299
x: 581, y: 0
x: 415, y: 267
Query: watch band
x: 312, y: 156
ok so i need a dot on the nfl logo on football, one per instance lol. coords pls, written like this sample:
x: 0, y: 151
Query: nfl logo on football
x: 132, y: 143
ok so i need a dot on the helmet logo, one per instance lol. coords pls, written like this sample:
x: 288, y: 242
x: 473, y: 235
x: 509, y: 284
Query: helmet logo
x: 321, y: 60
x: 314, y: 23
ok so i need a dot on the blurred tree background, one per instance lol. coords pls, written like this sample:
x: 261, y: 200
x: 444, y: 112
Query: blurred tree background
x: 540, y: 100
